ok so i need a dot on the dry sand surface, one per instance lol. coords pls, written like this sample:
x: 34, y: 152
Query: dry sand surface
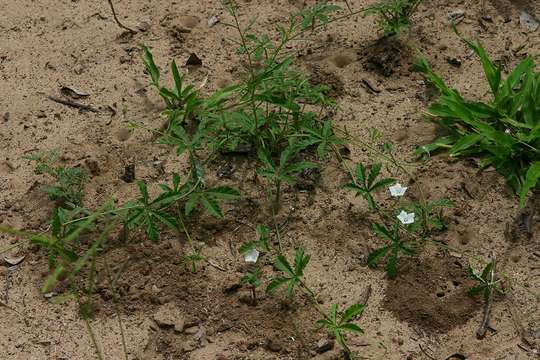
x: 424, y: 314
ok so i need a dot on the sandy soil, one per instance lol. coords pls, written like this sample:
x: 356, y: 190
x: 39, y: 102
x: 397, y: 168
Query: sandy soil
x: 47, y: 44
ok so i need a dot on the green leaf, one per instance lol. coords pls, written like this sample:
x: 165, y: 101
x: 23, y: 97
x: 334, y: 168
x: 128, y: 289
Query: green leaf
x: 352, y: 312
x: 283, y: 265
x: 192, y: 202
x: 352, y: 328
x: 464, y: 143
x: 276, y: 283
x: 150, y: 65
x: 382, y: 231
x: 375, y: 171
x: 531, y: 180
x: 211, y: 206
x: 224, y: 192
x: 375, y: 256
x: 52, y: 279
x: 444, y: 142
x: 475, y: 290
x: 391, y: 265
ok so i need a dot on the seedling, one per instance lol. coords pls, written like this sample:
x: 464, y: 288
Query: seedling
x: 70, y: 182
x: 487, y: 285
x: 261, y: 244
x: 365, y: 185
x: 504, y: 132
x: 292, y: 275
x: 323, y: 137
x: 430, y: 215
x: 339, y: 326
x: 282, y: 172
x: 393, y: 16
x: 392, y: 251
x: 191, y: 259
x: 146, y: 215
x: 252, y: 279
x: 181, y: 100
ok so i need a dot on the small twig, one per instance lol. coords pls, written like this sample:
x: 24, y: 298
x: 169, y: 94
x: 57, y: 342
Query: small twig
x: 215, y: 265
x: 118, y: 21
x: 425, y: 352
x: 364, y: 298
x: 73, y: 104
x: 484, y: 325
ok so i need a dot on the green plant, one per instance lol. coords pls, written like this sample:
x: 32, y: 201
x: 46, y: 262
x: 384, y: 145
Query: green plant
x: 487, y: 283
x: 366, y: 185
x: 192, y: 258
x: 343, y: 324
x: 393, y: 16
x: 70, y: 181
x: 504, y: 132
x: 261, y: 244
x: 430, y: 215
x: 284, y: 171
x: 252, y: 279
x: 293, y: 275
x: 392, y: 251
x: 181, y: 100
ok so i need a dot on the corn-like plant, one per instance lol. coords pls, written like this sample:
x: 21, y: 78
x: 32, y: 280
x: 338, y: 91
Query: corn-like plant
x: 503, y: 132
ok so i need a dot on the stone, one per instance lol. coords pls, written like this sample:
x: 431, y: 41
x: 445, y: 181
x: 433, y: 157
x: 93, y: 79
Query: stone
x: 170, y: 316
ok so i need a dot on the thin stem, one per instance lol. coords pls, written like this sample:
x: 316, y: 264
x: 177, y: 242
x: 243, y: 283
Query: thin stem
x: 116, y: 306
x: 93, y: 338
x: 118, y: 21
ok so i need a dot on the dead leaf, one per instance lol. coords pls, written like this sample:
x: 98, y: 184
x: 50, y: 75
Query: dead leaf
x: 12, y: 261
x: 194, y: 60
x: 73, y: 93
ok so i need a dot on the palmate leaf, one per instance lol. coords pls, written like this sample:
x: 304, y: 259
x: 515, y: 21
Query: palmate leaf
x: 212, y: 206
x: 391, y: 252
x: 293, y: 274
x: 352, y: 312
x: 375, y: 171
x: 339, y: 326
x: 376, y: 256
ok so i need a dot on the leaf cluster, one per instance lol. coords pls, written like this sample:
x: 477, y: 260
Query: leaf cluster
x: 391, y: 251
x: 292, y: 277
x: 70, y: 181
x: 393, y: 16
x: 503, y: 132
x: 366, y: 184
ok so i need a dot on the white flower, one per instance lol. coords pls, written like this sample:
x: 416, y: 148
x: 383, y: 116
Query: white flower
x: 397, y: 190
x: 405, y: 217
x: 251, y: 256
x: 507, y: 131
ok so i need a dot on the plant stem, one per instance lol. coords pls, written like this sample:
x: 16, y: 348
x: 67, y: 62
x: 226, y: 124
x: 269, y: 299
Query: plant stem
x: 93, y: 338
x: 118, y: 21
x: 481, y: 332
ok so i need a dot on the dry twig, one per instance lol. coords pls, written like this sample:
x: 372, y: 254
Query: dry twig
x: 118, y: 21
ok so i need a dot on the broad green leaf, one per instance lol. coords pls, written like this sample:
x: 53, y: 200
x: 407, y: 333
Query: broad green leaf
x: 276, y: 283
x: 352, y: 312
x: 531, y: 180
x: 375, y: 256
x: 352, y: 328
x: 211, y: 206
x: 464, y: 143
x: 283, y: 265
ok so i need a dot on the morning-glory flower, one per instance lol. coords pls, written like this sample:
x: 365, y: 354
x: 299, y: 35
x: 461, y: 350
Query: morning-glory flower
x: 405, y: 217
x: 397, y: 190
x: 251, y: 256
